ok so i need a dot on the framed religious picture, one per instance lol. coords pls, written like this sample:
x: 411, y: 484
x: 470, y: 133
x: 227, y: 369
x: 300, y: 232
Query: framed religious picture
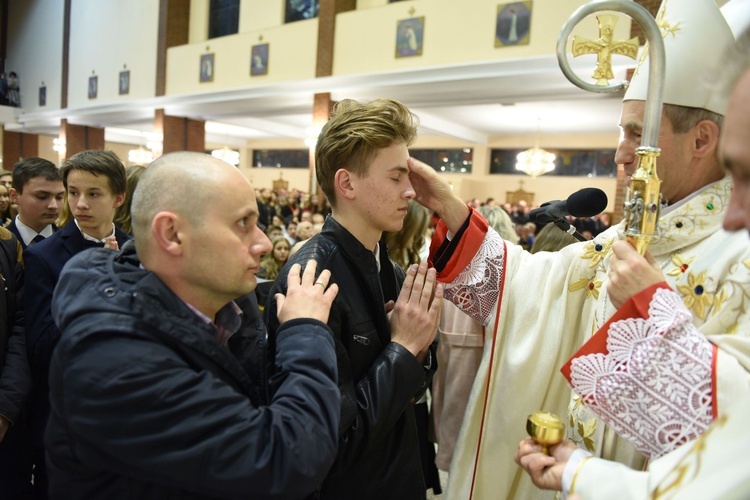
x: 299, y: 10
x: 124, y: 85
x: 207, y: 68
x: 409, y: 37
x: 259, y: 59
x: 93, y: 86
x: 42, y: 96
x: 513, y: 24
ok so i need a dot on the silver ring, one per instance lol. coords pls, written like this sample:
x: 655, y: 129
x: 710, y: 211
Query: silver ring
x: 319, y: 283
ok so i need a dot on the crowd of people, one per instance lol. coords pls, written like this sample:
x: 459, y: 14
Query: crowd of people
x: 159, y: 341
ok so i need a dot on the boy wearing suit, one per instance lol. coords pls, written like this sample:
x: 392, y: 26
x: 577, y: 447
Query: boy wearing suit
x: 95, y: 182
x: 38, y: 193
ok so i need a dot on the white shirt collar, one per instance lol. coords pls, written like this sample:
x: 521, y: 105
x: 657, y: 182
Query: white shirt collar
x: 377, y: 255
x: 28, y: 234
x: 91, y: 238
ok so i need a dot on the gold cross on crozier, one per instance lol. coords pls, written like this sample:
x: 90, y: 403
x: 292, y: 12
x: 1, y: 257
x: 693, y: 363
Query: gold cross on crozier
x: 604, y: 47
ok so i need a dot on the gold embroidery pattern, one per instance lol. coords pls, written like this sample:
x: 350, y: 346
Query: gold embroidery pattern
x: 695, y: 295
x: 666, y: 30
x: 680, y: 265
x: 597, y: 251
x: 581, y: 431
x: 591, y: 286
x: 700, y: 214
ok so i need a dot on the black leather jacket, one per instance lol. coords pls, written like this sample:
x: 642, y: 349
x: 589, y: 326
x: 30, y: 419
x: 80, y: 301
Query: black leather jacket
x: 379, y: 380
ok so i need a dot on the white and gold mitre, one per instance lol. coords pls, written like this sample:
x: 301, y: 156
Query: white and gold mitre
x: 696, y: 39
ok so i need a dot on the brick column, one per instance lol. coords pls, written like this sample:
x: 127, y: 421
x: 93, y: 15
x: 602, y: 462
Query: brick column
x: 17, y: 145
x: 80, y: 138
x: 180, y: 133
x: 618, y: 213
x: 174, y: 29
x: 653, y: 7
x: 322, y: 105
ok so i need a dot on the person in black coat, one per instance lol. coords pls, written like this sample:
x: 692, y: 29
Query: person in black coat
x: 15, y: 377
x: 158, y: 386
x: 385, y: 363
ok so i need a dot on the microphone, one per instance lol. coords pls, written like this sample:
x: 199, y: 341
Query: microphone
x: 584, y: 203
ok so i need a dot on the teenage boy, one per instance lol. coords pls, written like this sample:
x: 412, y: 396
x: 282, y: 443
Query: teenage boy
x: 95, y: 183
x: 384, y: 363
x: 37, y: 191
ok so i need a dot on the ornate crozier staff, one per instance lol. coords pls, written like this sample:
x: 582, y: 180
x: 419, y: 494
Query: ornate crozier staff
x: 644, y: 197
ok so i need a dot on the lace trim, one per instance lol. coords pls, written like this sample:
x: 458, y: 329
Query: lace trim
x: 654, y: 386
x: 475, y: 291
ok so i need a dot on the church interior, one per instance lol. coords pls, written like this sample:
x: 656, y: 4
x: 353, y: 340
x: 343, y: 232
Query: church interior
x: 255, y: 79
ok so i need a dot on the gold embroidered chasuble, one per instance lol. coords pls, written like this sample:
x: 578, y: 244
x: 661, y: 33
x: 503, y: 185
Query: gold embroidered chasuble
x: 539, y: 309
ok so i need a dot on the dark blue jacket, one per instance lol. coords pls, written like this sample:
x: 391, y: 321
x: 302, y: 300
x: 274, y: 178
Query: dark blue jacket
x: 44, y: 262
x: 146, y: 403
x: 378, y: 455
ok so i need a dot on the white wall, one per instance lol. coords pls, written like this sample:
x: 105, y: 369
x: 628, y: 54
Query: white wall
x: 35, y: 36
x: 105, y: 36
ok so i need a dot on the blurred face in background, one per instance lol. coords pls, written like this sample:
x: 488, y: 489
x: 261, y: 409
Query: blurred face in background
x: 4, y: 198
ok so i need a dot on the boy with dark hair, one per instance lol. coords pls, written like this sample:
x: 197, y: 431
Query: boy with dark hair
x: 95, y: 182
x: 37, y: 190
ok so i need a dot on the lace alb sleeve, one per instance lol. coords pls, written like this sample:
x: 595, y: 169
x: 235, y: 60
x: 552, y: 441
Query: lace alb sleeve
x: 653, y: 387
x: 476, y: 289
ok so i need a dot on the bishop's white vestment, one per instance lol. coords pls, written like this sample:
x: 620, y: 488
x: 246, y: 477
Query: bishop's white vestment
x: 540, y: 309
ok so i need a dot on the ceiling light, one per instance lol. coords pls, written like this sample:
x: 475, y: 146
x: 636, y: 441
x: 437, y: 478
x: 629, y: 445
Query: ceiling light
x: 140, y: 156
x: 228, y: 155
x: 535, y: 161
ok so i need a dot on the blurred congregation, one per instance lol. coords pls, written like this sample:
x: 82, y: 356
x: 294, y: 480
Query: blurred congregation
x: 327, y: 249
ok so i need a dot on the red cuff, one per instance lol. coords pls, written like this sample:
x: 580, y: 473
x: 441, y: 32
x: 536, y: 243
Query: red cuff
x: 465, y: 248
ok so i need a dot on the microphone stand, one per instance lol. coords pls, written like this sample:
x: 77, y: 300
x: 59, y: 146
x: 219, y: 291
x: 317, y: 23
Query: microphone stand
x: 566, y: 226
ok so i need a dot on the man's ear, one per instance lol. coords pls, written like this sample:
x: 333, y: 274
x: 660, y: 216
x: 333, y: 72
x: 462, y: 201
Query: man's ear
x: 705, y: 138
x: 165, y: 230
x: 345, y: 184
x: 13, y: 196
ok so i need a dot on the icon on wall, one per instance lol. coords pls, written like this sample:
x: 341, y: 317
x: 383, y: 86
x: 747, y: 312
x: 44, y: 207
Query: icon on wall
x: 259, y: 59
x: 207, y: 68
x: 409, y: 37
x: 42, y: 96
x: 124, y: 86
x: 93, y: 86
x: 513, y: 24
x: 298, y: 10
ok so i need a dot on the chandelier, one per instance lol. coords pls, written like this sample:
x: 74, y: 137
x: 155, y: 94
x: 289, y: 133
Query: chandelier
x: 228, y: 155
x: 535, y: 161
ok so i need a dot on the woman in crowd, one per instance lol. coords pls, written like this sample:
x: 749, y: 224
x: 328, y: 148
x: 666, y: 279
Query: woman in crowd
x: 410, y: 246
x: 270, y: 266
x: 122, y: 215
x: 5, y: 215
x: 406, y: 247
x: 551, y: 239
x: 460, y: 347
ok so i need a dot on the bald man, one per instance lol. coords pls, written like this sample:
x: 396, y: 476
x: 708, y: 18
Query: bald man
x: 158, y: 386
